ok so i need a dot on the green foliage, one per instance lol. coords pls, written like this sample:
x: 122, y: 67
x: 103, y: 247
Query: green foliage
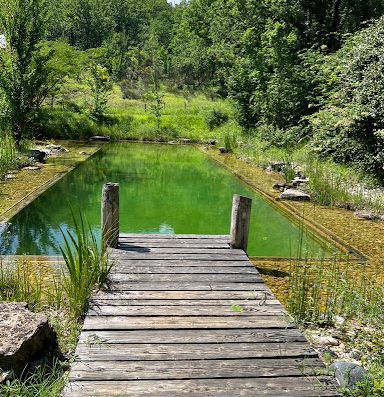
x: 25, y: 76
x: 350, y: 126
x: 216, y: 118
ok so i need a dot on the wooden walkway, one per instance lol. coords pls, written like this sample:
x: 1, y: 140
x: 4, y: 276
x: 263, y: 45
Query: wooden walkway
x: 188, y: 316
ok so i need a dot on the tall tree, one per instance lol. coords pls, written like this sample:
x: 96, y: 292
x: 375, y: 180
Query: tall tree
x: 25, y: 75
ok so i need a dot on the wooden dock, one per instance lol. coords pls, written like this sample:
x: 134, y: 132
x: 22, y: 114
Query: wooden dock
x: 189, y: 316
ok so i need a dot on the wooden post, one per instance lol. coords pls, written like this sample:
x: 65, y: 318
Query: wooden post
x: 110, y: 215
x: 241, y: 216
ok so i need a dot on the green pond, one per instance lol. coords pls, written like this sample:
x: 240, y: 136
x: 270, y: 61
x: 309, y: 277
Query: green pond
x: 163, y: 189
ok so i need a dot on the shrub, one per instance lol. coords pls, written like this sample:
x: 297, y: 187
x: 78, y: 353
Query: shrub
x: 216, y: 118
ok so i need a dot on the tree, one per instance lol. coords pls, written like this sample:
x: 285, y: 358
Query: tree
x: 25, y: 74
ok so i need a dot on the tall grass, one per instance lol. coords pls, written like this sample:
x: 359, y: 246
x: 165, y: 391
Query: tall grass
x: 86, y: 265
x: 9, y: 155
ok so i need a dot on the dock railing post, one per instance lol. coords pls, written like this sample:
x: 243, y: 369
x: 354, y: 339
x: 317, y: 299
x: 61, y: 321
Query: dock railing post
x: 240, y: 220
x: 110, y: 215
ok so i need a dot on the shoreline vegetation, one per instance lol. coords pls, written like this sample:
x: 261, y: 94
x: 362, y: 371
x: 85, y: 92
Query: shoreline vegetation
x: 292, y: 83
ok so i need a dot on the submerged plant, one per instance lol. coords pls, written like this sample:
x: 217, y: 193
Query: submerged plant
x: 86, y: 265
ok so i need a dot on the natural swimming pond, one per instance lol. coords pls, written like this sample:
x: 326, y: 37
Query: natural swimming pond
x: 163, y: 189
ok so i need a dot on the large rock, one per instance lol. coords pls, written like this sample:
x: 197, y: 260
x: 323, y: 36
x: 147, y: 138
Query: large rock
x: 24, y: 336
x: 295, y: 195
x: 37, y: 155
x: 348, y: 374
x: 100, y: 138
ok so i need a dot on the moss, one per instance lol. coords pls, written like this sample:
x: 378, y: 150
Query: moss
x: 17, y: 193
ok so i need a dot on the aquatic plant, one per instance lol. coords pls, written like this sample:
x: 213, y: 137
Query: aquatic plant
x: 86, y: 265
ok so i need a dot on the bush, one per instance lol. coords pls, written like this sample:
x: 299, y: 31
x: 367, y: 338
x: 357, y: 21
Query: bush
x: 216, y: 118
x: 350, y: 128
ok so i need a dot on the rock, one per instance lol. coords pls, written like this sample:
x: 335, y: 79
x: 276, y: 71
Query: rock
x: 339, y: 321
x: 348, y: 374
x: 299, y: 181
x: 368, y: 215
x: 294, y: 195
x: 100, y: 138
x: 37, y: 155
x: 212, y: 142
x: 56, y: 148
x: 275, y: 166
x: 24, y: 336
x: 10, y: 176
x: 185, y: 140
x: 222, y: 150
x: 282, y: 186
x: 325, y: 341
x: 32, y: 168
x: 83, y: 153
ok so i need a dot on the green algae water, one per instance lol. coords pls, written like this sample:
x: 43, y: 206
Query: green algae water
x: 163, y: 189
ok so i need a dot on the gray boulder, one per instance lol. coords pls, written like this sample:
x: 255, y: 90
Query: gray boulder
x: 295, y: 195
x: 37, y: 155
x: 100, y: 138
x: 24, y: 337
x: 368, y: 215
x: 348, y: 374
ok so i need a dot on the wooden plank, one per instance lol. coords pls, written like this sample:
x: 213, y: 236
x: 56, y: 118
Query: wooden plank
x: 121, y: 262
x: 125, y: 249
x: 225, y: 255
x: 196, y: 369
x: 177, y: 244
x: 185, y: 302
x: 148, y: 241
x: 192, y: 351
x: 160, y: 269
x: 188, y: 286
x: 189, y: 278
x: 244, y: 387
x: 259, y: 296
x: 253, y: 335
x: 202, y: 322
x: 175, y: 236
x: 219, y: 311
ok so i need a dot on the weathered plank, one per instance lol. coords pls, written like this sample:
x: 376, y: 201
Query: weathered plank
x: 221, y: 303
x: 188, y: 286
x: 162, y: 269
x: 196, y: 369
x: 174, y: 236
x: 120, y: 262
x: 177, y: 244
x: 224, y: 255
x: 245, y: 387
x: 191, y: 278
x: 176, y: 322
x: 258, y: 296
x: 220, y: 311
x: 192, y: 351
x: 252, y: 335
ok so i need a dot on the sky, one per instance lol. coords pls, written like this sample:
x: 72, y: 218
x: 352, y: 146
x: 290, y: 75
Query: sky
x: 174, y: 1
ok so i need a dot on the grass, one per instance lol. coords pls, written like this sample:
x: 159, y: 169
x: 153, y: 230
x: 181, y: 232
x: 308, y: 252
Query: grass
x: 322, y: 293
